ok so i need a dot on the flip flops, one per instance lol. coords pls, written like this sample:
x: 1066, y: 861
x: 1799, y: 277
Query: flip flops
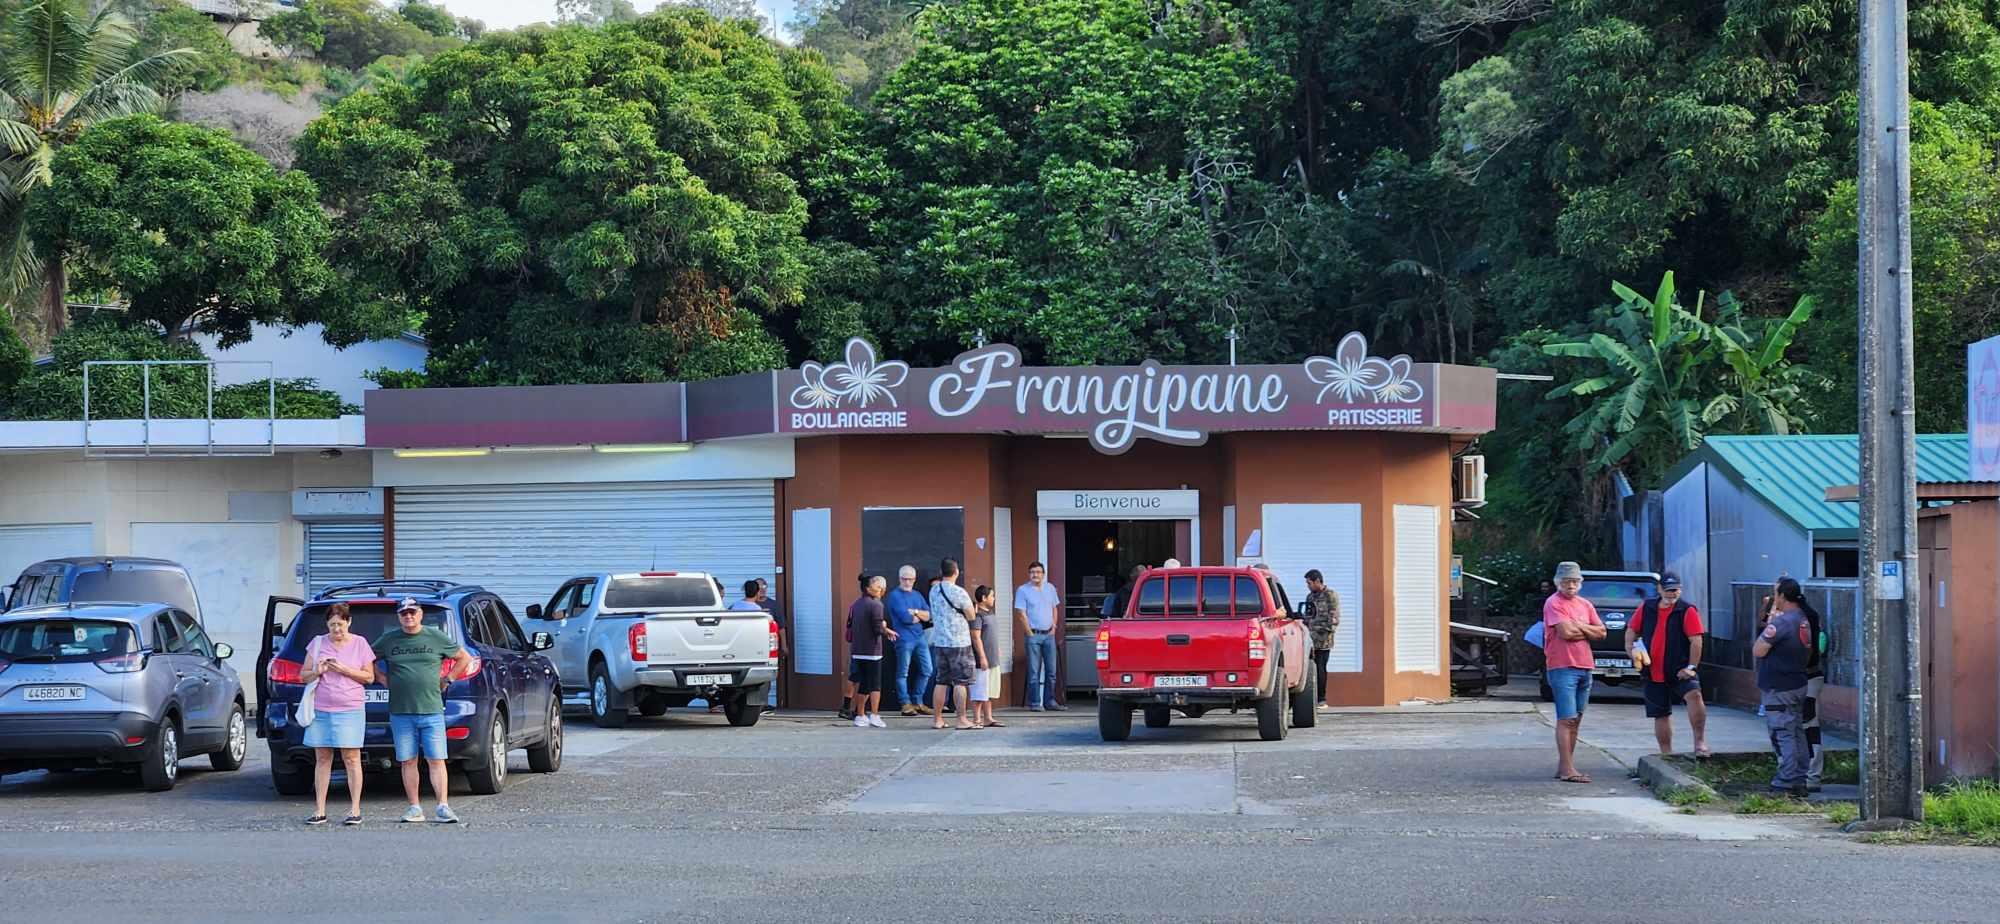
x: 1574, y: 778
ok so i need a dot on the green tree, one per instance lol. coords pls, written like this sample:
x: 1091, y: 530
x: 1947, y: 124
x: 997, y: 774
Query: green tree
x: 353, y: 33
x: 1669, y: 377
x: 619, y: 203
x: 596, y: 12
x: 295, y: 30
x: 863, y: 41
x: 214, y: 62
x: 61, y: 71
x: 187, y: 224
x: 435, y: 20
x: 1954, y: 241
x: 1076, y: 177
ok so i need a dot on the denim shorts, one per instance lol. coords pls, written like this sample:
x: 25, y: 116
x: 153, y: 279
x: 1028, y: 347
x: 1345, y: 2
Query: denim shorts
x: 410, y: 731
x: 344, y: 729
x: 1572, y: 688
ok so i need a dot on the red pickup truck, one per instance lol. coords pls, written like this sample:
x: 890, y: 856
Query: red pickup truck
x: 1196, y: 639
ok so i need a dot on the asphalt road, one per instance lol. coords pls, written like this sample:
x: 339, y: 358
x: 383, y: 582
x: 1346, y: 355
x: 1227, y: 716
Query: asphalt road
x: 1428, y: 813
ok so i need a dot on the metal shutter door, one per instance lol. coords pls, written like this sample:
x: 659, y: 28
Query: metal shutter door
x: 21, y: 546
x: 1416, y: 590
x: 1300, y: 537
x: 523, y: 541
x: 342, y: 553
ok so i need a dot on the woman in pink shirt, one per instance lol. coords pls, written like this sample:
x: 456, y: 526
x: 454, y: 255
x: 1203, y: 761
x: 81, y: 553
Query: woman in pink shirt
x: 343, y: 664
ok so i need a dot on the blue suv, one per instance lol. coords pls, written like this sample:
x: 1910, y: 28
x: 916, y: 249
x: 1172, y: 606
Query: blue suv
x: 511, y: 699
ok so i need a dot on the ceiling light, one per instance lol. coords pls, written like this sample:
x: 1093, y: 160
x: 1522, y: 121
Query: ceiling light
x: 439, y: 453
x: 512, y: 449
x: 645, y: 447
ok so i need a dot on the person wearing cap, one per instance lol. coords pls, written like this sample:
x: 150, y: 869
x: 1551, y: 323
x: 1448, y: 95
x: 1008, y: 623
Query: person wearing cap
x: 1667, y: 634
x: 411, y: 657
x: 1570, y: 624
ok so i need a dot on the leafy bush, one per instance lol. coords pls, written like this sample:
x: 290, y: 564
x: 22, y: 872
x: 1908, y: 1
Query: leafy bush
x: 1968, y: 809
x: 55, y: 392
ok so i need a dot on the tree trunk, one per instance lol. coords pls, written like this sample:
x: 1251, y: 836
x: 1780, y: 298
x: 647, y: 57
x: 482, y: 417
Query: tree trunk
x: 55, y: 298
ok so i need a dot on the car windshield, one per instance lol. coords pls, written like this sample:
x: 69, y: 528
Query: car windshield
x: 660, y: 592
x: 1617, y: 590
x: 135, y: 585
x: 371, y: 620
x: 62, y: 640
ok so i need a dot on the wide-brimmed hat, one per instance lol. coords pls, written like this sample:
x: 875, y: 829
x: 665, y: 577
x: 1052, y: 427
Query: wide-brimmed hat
x: 1568, y: 569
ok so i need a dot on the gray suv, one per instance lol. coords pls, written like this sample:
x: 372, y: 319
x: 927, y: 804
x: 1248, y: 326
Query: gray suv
x: 115, y: 684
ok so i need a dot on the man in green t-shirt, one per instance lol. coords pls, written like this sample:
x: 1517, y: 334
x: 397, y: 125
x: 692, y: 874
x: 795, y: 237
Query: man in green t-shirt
x: 410, y: 657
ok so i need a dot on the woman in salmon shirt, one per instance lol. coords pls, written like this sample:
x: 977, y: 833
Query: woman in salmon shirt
x: 344, y: 664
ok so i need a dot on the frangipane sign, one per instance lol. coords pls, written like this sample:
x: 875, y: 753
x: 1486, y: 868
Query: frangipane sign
x: 989, y: 390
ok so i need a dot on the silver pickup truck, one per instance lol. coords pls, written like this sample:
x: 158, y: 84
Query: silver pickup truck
x: 655, y: 640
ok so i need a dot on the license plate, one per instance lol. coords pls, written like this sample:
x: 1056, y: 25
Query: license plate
x: 52, y: 694
x: 374, y: 696
x: 707, y: 680
x: 1197, y: 680
x: 1623, y: 664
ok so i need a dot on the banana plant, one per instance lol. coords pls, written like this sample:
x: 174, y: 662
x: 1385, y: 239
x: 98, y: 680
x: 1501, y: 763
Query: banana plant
x: 1667, y: 378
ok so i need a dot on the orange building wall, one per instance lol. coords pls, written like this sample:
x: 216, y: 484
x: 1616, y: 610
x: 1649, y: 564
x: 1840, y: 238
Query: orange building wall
x: 978, y: 472
x: 1958, y: 548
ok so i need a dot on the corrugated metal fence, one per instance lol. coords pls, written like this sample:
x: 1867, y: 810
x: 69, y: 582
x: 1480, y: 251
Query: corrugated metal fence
x: 1838, y: 600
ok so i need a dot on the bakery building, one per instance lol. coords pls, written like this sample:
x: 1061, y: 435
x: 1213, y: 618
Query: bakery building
x: 811, y: 476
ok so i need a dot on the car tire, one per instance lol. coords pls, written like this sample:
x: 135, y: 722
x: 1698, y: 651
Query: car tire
x: 607, y: 707
x: 746, y: 707
x: 652, y: 707
x: 1114, y: 719
x: 161, y: 765
x: 1305, y: 702
x: 489, y: 776
x: 546, y: 757
x: 235, y: 743
x: 1271, y: 724
x: 288, y: 779
x: 1159, y: 717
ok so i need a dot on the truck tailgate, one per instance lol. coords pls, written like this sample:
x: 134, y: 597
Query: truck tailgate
x: 715, y: 639
x: 1178, y: 646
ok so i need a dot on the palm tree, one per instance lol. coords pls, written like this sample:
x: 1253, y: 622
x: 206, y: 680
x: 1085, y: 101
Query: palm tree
x: 62, y: 70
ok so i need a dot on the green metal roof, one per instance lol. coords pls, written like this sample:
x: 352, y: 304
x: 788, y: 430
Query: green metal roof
x: 1792, y: 473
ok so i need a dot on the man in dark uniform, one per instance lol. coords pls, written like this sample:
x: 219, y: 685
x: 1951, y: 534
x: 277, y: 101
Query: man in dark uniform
x: 1781, y: 653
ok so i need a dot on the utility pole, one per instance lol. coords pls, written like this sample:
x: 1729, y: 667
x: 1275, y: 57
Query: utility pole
x: 1892, y: 751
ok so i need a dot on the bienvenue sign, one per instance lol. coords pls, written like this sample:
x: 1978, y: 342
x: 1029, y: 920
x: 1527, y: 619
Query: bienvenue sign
x: 1118, y: 505
x: 988, y: 390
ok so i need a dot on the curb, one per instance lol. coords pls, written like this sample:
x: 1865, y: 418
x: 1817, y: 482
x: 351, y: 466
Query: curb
x: 1663, y: 777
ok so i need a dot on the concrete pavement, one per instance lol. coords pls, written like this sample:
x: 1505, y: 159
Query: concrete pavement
x: 1442, y: 812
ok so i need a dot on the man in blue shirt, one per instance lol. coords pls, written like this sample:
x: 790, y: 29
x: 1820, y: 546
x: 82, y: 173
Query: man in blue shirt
x: 909, y: 616
x: 1038, y: 605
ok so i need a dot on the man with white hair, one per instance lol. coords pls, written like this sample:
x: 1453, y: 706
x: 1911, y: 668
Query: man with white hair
x: 1569, y: 625
x: 909, y: 616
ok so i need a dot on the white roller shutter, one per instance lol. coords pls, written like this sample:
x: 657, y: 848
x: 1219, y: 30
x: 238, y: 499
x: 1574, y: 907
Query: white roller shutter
x: 1003, y: 586
x: 342, y: 553
x: 1300, y: 537
x: 812, y: 590
x: 21, y: 546
x: 1417, y: 592
x: 523, y: 541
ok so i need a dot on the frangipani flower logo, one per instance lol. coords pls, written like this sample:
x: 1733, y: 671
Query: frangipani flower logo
x: 861, y: 381
x: 1354, y: 375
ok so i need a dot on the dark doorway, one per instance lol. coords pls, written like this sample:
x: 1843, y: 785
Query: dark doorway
x: 894, y: 537
x: 1098, y: 556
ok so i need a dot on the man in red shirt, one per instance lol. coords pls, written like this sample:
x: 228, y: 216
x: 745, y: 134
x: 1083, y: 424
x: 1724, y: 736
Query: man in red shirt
x: 1570, y: 623
x: 1671, y: 631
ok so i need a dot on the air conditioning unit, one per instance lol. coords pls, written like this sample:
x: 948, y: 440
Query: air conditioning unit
x: 1468, y: 481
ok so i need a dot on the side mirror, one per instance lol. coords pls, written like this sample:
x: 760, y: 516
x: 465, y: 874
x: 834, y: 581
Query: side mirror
x: 542, y: 641
x: 275, y: 630
x: 534, y: 611
x: 223, y: 651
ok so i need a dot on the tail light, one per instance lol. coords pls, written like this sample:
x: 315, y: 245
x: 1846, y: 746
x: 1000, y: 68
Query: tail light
x: 444, y: 669
x: 1104, y: 644
x: 774, y: 639
x: 287, y: 671
x: 128, y: 663
x: 458, y: 733
x: 1257, y: 643
x: 636, y: 638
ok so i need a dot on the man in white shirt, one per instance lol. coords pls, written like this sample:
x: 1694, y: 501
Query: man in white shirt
x: 1038, y: 608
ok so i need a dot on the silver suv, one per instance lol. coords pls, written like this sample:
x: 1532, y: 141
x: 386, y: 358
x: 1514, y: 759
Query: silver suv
x: 115, y: 684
